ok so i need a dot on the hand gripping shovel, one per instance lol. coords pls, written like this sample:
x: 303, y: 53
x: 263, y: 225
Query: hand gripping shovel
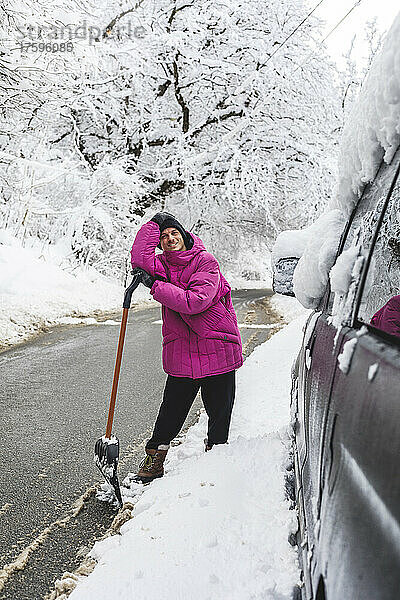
x: 106, y: 450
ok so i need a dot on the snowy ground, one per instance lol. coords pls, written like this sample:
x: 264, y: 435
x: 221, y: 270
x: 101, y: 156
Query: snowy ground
x: 37, y: 290
x: 217, y: 525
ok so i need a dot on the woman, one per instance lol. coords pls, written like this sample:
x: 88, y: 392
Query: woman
x: 201, y: 340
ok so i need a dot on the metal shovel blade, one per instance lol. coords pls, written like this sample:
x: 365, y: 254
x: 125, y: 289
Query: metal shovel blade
x: 106, y: 454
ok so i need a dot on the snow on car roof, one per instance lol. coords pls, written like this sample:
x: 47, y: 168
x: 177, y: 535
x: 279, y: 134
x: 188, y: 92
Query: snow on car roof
x: 372, y: 131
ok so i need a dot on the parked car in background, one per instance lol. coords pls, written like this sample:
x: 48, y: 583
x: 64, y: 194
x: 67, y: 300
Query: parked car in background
x: 346, y: 409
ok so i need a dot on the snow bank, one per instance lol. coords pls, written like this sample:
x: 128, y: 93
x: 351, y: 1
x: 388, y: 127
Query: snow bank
x: 35, y: 291
x: 372, y: 131
x: 217, y: 525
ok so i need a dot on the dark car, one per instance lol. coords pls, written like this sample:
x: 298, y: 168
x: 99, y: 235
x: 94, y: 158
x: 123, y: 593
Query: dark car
x: 346, y: 413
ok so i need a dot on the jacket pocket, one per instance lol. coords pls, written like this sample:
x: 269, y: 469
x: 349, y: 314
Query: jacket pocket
x: 208, y: 320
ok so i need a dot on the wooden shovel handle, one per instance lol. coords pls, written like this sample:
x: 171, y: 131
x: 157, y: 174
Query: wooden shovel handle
x: 137, y: 277
x: 117, y: 368
x: 126, y: 305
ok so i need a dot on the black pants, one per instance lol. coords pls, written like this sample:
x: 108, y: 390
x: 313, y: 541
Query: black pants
x: 217, y: 394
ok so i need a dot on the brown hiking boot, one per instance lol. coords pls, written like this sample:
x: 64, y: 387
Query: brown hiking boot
x: 152, y: 466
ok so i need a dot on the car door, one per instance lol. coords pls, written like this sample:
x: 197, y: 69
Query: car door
x: 316, y: 369
x: 359, y: 542
x: 323, y: 342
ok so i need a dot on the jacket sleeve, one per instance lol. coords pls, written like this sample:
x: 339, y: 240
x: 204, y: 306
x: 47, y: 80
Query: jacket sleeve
x: 144, y: 246
x: 202, y: 288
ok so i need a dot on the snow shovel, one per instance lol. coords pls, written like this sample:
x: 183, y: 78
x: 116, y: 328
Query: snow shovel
x: 106, y: 450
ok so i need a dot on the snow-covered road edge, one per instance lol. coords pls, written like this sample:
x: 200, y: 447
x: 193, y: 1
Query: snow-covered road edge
x: 217, y: 525
x: 38, y: 291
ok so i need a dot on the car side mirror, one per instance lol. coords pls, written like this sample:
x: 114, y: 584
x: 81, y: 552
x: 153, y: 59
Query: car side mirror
x: 283, y: 275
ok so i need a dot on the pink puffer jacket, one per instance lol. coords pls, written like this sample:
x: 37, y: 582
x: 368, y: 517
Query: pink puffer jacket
x: 200, y: 331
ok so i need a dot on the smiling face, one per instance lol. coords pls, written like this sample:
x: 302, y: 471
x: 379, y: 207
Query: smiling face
x: 171, y: 239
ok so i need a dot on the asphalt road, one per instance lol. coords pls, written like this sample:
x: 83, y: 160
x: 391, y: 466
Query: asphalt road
x: 54, y: 398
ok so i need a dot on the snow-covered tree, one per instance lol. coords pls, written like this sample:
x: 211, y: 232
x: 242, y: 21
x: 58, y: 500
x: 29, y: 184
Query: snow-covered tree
x: 203, y: 108
x: 235, y: 139
x: 353, y: 72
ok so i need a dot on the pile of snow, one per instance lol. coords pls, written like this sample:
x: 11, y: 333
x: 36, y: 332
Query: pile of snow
x: 35, y: 291
x: 217, y: 525
x: 372, y: 132
x: 316, y: 247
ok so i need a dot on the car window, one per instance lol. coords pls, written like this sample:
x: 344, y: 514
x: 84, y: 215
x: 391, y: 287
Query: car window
x: 382, y: 284
x: 370, y: 206
x: 359, y: 239
x: 365, y: 216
